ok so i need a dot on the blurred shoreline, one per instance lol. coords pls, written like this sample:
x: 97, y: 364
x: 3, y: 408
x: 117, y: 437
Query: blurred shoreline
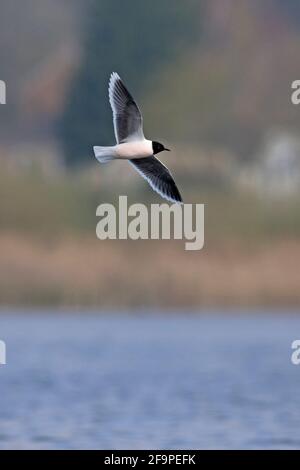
x: 85, y: 272
x: 50, y: 256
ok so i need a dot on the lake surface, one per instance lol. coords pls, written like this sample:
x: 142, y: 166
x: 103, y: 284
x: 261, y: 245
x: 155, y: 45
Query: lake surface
x: 149, y: 381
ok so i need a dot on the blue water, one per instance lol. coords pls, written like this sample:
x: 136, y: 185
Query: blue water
x: 149, y: 381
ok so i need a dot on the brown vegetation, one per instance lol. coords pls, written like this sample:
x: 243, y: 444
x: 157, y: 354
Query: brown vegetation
x: 84, y: 271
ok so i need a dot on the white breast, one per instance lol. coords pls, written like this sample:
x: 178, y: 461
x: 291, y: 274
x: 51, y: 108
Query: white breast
x: 138, y: 149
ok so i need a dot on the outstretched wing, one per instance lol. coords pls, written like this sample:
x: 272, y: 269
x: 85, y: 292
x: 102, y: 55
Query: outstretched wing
x: 128, y: 121
x: 158, y: 176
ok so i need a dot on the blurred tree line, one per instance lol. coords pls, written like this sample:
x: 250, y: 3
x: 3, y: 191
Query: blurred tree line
x: 133, y: 38
x: 226, y: 65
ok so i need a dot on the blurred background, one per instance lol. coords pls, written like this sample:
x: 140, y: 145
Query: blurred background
x: 213, y: 79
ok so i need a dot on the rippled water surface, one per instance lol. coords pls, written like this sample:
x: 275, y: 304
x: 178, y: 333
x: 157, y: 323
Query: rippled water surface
x: 149, y: 381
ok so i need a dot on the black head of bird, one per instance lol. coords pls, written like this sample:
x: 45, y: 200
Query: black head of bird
x: 157, y: 148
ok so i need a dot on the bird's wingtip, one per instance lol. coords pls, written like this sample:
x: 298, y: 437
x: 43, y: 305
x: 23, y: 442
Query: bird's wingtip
x: 178, y: 201
x: 114, y: 76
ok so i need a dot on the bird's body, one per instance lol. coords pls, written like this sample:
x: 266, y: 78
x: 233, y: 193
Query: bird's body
x: 134, y: 149
x: 125, y: 151
x: 132, y: 145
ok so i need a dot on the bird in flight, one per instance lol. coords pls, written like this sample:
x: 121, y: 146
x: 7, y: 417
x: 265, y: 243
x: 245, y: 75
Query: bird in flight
x: 132, y: 144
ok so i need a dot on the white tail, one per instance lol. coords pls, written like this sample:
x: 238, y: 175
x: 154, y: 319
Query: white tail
x: 104, y: 154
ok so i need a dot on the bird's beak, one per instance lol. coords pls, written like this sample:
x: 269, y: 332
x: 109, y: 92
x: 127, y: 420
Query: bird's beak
x: 168, y: 150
